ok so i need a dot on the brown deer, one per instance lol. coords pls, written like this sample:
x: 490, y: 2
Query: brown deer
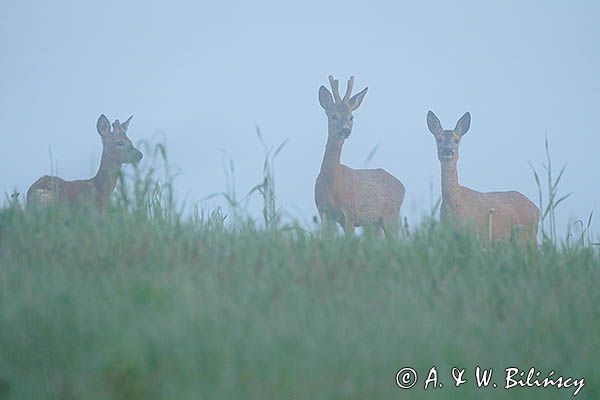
x: 496, y: 216
x: 353, y: 197
x: 117, y: 149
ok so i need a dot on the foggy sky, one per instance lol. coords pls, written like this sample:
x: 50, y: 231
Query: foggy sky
x: 205, y: 72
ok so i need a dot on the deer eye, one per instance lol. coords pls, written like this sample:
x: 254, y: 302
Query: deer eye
x: 456, y: 141
x: 120, y: 143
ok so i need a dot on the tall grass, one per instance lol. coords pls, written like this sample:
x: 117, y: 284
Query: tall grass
x: 148, y: 302
x: 551, y: 199
x: 271, y: 213
x: 580, y: 233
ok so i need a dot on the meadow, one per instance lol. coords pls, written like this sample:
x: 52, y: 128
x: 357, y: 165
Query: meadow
x: 147, y: 302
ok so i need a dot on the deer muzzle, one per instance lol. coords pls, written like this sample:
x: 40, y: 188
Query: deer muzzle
x: 138, y: 155
x: 447, y: 152
x: 345, y: 133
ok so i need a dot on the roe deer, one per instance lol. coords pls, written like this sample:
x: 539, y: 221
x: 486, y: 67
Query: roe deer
x: 353, y: 197
x: 117, y: 149
x: 493, y: 215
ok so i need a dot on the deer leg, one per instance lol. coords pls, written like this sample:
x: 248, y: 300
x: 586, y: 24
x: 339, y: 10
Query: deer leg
x: 391, y: 225
x: 517, y: 234
x: 349, y: 228
x: 375, y: 229
x: 532, y: 235
x: 348, y: 224
x: 328, y: 224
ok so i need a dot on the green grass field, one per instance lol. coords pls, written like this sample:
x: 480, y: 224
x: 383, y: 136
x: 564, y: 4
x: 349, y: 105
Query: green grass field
x: 139, y: 304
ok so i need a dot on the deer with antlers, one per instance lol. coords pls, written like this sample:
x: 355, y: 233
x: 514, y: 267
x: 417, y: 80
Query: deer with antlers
x: 353, y: 197
x: 495, y: 216
x: 117, y: 149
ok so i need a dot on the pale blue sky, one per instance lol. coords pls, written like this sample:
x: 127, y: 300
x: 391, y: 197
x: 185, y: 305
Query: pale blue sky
x: 203, y: 72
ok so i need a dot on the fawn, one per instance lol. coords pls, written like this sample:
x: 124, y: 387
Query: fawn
x: 117, y: 149
x: 494, y: 215
x: 353, y: 197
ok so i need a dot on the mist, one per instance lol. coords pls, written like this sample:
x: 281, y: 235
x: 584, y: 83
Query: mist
x: 203, y: 75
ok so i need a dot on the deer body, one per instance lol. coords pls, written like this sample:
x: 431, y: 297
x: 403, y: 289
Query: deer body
x: 495, y: 216
x: 95, y: 192
x: 353, y: 197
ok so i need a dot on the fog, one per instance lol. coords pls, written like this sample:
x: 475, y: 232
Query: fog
x: 204, y: 73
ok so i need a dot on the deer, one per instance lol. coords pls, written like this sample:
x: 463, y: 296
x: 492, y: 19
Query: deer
x: 494, y: 216
x: 117, y: 149
x: 353, y: 197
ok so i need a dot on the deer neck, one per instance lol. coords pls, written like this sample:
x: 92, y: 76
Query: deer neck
x: 106, y: 178
x: 450, y: 186
x: 331, y: 158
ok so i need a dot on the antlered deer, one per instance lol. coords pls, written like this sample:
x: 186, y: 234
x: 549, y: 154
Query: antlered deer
x: 353, y: 197
x: 117, y: 149
x: 494, y: 215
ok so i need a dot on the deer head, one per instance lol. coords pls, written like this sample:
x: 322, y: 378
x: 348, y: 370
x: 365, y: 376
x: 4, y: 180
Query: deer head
x: 339, y: 110
x: 116, y: 145
x: 448, y: 140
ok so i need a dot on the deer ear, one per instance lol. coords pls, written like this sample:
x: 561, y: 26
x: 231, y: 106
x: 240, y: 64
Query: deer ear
x: 325, y: 98
x: 463, y: 124
x: 125, y: 124
x: 355, y: 100
x: 103, y: 126
x: 433, y: 123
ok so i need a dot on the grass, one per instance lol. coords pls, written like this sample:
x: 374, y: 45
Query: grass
x: 144, y: 303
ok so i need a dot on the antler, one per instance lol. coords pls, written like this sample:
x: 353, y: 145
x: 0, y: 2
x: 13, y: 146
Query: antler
x: 119, y: 127
x: 116, y: 125
x: 335, y: 88
x: 125, y: 124
x: 349, y: 89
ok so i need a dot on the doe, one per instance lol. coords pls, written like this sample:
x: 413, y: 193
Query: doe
x: 494, y: 215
